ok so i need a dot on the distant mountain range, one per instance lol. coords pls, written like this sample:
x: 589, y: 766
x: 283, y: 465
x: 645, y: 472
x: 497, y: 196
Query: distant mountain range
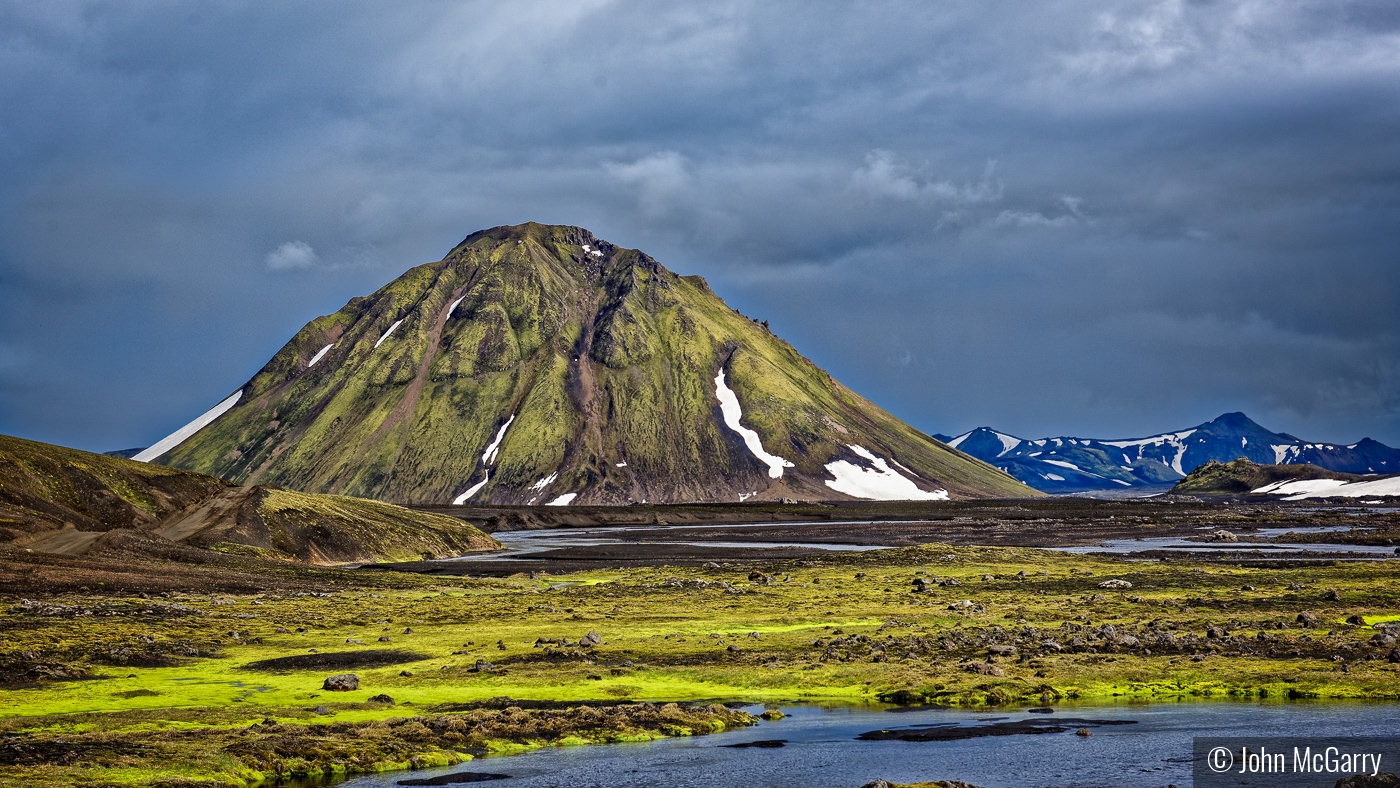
x: 1070, y: 465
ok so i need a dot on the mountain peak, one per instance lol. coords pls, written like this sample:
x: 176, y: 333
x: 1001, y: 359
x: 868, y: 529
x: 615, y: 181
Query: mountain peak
x: 539, y: 364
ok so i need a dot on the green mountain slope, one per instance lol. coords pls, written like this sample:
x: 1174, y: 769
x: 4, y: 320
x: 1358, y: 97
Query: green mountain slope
x: 538, y: 364
x: 59, y: 500
x: 1241, y: 476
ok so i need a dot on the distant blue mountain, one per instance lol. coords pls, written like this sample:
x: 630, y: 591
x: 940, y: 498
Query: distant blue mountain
x: 1068, y: 465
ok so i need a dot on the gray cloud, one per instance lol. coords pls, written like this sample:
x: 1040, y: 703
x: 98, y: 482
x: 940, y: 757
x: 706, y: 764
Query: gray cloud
x: 1059, y: 217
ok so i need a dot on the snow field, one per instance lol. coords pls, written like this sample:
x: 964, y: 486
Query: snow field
x: 318, y: 355
x: 729, y: 406
x: 878, y: 483
x: 386, y: 334
x: 181, y: 435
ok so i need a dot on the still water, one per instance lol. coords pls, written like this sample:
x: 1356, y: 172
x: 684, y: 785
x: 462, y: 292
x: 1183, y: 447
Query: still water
x: 821, y: 749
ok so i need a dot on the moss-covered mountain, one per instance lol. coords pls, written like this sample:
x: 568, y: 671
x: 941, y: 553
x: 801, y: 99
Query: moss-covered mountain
x: 1242, y: 476
x: 59, y: 500
x: 539, y: 364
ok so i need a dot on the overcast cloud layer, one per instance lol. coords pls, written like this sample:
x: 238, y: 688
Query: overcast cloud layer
x: 1087, y: 218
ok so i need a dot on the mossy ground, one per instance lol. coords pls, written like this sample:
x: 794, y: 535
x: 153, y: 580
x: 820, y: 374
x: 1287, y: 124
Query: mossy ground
x: 843, y: 629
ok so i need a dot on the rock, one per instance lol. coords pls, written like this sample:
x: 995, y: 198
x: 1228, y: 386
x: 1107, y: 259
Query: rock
x: 482, y: 666
x: 920, y: 585
x: 1356, y: 620
x: 591, y: 639
x: 1217, y: 633
x: 755, y: 636
x: 1394, y: 656
x: 710, y: 565
x: 1083, y: 732
x: 1309, y: 620
x: 1051, y: 645
x: 385, y: 699
x: 965, y: 604
x: 1127, y: 641
x: 1333, y: 596
x: 1382, y: 780
x: 757, y: 577
x: 878, y: 784
x: 344, y: 682
x: 951, y: 582
x: 1041, y: 710
x: 322, y: 710
x: 1001, y: 651
x: 984, y: 668
x: 1222, y: 535
x: 1248, y: 588
x: 988, y: 578
x: 408, y: 630
x: 1116, y: 584
x: 787, y: 501
x: 772, y: 715
x: 385, y: 639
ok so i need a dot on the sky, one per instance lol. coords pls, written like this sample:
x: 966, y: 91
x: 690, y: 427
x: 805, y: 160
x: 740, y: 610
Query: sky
x: 1082, y: 217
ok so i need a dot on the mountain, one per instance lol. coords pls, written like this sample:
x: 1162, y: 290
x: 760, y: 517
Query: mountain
x: 1066, y: 465
x: 59, y: 500
x: 1292, y: 482
x: 541, y: 365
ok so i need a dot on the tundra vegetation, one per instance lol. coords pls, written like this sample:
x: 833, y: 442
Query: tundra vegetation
x: 134, y: 669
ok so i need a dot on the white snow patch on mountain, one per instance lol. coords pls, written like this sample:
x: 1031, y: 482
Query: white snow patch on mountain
x: 1297, y: 490
x: 453, y: 308
x: 318, y: 355
x: 1054, y: 477
x: 622, y: 465
x: 489, y: 456
x: 1068, y: 465
x: 1007, y: 442
x: 729, y: 407
x: 563, y: 500
x: 472, y: 490
x: 1173, y: 438
x: 387, y: 333
x: 880, y: 483
x: 545, y: 482
x: 1280, y: 453
x: 181, y: 435
x: 956, y: 442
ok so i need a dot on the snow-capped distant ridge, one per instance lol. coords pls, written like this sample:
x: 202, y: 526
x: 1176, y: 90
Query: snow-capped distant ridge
x: 1152, y: 464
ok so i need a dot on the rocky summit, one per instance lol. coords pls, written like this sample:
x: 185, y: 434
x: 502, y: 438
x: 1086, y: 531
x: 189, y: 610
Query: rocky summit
x: 541, y: 365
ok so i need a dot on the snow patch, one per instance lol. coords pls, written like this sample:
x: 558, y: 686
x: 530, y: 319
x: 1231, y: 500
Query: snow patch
x: 489, y: 456
x: 729, y: 407
x: 1280, y: 453
x: 318, y: 355
x: 1068, y: 465
x: 880, y: 483
x: 1054, y: 477
x: 181, y: 435
x: 472, y: 490
x: 545, y: 482
x: 1299, y: 489
x: 622, y: 465
x: 563, y: 500
x: 453, y: 308
x: 387, y: 333
x: 1007, y: 442
x: 1120, y: 481
x: 745, y: 496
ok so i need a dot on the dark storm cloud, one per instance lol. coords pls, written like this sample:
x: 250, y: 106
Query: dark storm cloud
x: 1074, y: 217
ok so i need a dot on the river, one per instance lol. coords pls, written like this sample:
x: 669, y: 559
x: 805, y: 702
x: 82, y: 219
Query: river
x: 821, y: 749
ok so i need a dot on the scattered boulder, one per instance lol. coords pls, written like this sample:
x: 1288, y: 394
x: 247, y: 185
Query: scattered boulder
x: 1222, y: 535
x: 591, y: 639
x: 1116, y: 584
x: 385, y: 639
x: 1309, y: 620
x: 385, y: 699
x: 344, y: 682
x: 1356, y: 620
x: 1382, y: 780
x: 984, y: 668
x: 1333, y: 596
x: 1083, y: 732
x: 482, y: 666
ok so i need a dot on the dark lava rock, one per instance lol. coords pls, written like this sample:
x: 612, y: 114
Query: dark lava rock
x: 591, y: 639
x: 952, y: 731
x: 984, y: 668
x: 1382, y: 780
x: 456, y: 778
x: 385, y: 699
x: 345, y: 682
x: 1356, y: 620
x: 1041, y: 710
x: 1309, y: 620
x: 767, y: 744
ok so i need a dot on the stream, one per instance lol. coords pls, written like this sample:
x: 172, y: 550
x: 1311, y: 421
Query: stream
x: 1150, y: 746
